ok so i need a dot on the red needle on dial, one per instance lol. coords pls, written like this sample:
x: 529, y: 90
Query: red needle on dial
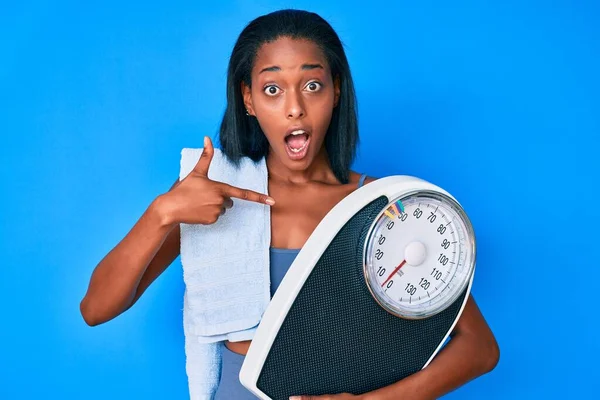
x: 393, y: 273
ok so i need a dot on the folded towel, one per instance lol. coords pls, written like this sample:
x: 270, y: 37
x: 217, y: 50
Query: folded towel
x: 225, y: 270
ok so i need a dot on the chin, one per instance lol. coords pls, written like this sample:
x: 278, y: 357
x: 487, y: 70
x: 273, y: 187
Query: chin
x: 299, y: 165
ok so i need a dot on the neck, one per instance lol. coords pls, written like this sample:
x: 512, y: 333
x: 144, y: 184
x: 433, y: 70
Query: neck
x: 319, y: 170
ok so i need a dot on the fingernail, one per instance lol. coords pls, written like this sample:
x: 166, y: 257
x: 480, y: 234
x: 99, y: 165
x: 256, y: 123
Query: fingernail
x: 295, y: 398
x: 270, y: 201
x: 205, y: 141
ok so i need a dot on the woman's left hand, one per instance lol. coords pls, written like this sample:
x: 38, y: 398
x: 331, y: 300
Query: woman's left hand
x: 339, y: 396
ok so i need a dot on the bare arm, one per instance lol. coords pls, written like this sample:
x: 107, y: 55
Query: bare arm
x: 153, y: 242
x: 131, y: 266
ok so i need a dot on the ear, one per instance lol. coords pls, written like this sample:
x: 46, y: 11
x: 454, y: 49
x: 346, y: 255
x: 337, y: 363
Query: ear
x: 247, y: 95
x: 336, y: 91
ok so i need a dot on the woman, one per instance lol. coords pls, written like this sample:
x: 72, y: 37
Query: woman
x: 290, y: 98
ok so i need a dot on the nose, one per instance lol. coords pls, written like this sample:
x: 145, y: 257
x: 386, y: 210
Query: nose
x: 295, y: 106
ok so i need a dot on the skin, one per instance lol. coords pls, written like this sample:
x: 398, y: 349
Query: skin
x: 284, y: 94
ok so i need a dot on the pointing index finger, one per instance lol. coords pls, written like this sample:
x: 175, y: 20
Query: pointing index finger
x: 247, y: 194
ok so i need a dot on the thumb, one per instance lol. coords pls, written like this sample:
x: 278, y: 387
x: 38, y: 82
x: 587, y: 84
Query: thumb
x: 205, y: 158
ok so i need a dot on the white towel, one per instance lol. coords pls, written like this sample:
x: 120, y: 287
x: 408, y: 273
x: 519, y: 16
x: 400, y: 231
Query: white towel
x: 225, y: 270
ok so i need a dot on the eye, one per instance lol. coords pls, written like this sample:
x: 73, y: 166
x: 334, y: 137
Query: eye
x: 313, y: 86
x: 271, y: 90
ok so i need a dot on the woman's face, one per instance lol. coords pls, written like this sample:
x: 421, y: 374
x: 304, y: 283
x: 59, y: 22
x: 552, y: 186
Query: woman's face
x: 292, y: 96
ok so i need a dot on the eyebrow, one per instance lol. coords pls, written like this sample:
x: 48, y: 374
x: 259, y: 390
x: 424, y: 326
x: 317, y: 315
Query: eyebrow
x: 305, y: 67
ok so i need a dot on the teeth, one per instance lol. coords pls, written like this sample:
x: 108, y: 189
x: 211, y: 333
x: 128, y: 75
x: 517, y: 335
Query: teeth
x: 298, y: 132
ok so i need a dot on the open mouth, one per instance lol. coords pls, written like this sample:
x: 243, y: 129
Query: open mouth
x: 297, y: 144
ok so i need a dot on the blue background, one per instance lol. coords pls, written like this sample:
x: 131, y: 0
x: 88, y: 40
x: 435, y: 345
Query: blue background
x: 497, y: 103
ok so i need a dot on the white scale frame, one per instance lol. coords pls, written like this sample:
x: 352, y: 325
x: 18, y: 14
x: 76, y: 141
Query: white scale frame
x: 392, y: 187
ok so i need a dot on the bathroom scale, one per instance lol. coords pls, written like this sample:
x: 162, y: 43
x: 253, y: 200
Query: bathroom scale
x: 371, y: 297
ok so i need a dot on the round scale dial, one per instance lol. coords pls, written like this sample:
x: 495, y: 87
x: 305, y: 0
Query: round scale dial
x: 419, y: 254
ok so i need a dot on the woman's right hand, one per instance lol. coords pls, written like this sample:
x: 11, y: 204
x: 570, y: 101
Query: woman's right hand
x: 199, y: 200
